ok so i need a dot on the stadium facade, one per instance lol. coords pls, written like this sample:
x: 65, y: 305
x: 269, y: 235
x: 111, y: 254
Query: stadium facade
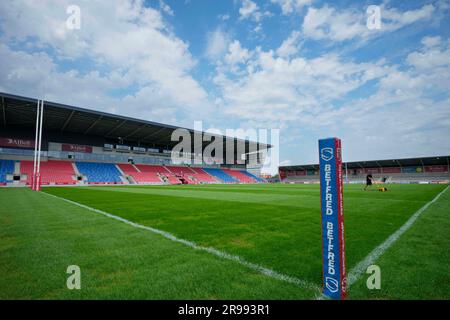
x: 83, y: 147
x: 411, y: 170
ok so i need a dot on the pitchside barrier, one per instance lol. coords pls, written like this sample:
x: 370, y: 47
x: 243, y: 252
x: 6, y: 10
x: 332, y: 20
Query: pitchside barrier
x: 333, y: 249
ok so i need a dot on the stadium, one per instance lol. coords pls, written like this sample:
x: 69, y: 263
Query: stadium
x: 83, y: 147
x: 231, y: 228
x: 324, y: 173
x: 413, y: 170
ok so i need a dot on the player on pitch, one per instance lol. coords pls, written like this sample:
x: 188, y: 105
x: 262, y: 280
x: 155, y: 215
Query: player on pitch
x: 369, y: 181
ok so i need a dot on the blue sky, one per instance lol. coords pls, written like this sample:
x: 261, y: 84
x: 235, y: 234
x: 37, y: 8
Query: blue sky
x: 311, y: 68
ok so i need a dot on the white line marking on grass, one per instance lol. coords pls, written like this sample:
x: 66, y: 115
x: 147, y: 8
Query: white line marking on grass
x: 361, y: 267
x: 256, y: 267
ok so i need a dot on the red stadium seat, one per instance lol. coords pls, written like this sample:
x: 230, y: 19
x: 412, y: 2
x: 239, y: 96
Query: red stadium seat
x: 52, y: 172
x: 142, y: 173
x: 202, y: 176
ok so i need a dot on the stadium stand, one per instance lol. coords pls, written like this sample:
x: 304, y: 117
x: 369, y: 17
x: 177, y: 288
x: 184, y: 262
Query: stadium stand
x: 170, y: 178
x: 302, y: 179
x: 6, y: 167
x: 192, y: 175
x: 96, y: 173
x: 239, y: 175
x: 413, y: 170
x: 220, y: 174
x: 82, y: 146
x: 203, y: 177
x: 184, y: 174
x: 26, y: 167
x: 149, y: 168
x: 64, y: 173
x: 127, y: 168
x: 146, y: 177
x: 180, y: 170
x: 138, y: 176
x: 424, y: 177
x: 258, y: 179
x: 157, y: 173
x: 52, y: 172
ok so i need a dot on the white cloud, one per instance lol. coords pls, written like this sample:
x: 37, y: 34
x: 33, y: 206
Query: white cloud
x: 312, y: 95
x: 166, y: 8
x: 290, y: 6
x: 37, y: 75
x: 289, y: 46
x: 236, y: 54
x: 431, y: 41
x: 250, y: 10
x: 216, y: 44
x: 433, y: 55
x: 129, y: 45
x: 430, y: 59
x: 280, y: 89
x: 127, y: 37
x: 328, y: 23
x: 224, y: 17
x: 340, y: 25
x: 258, y: 28
x: 397, y: 19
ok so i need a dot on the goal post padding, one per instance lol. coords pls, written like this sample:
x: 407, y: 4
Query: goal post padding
x: 331, y: 195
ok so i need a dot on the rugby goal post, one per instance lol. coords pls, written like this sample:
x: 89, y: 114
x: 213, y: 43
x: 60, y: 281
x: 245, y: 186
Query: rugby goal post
x: 36, y: 178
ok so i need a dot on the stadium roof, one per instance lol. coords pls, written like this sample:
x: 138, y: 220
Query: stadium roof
x: 21, y: 111
x: 425, y: 161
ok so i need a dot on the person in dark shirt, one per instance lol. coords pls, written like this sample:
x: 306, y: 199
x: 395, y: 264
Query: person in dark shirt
x: 369, y: 181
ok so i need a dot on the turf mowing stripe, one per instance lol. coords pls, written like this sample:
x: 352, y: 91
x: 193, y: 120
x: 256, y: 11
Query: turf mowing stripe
x: 280, y: 200
x: 361, y: 267
x: 263, y: 270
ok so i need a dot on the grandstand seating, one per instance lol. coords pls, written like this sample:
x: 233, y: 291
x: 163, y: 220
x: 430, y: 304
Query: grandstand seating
x: 202, y: 176
x: 6, y: 167
x: 64, y: 172
x: 171, y: 178
x: 26, y: 167
x: 146, y: 177
x: 57, y: 172
x: 220, y: 174
x: 181, y: 171
x: 404, y: 177
x: 153, y: 174
x: 97, y: 173
x: 151, y: 168
x: 239, y: 175
x: 138, y: 176
x: 302, y: 179
x: 192, y: 175
x: 184, y: 173
x: 425, y: 177
x: 258, y: 179
x: 127, y: 168
x: 159, y: 171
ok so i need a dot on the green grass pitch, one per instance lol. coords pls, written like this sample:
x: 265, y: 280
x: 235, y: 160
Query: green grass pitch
x: 275, y: 226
